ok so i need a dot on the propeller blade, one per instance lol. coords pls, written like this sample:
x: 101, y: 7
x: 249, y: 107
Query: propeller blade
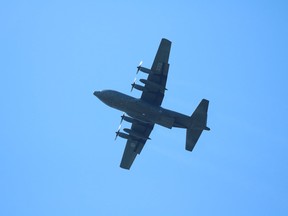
x: 139, y: 66
x: 117, y: 132
x: 119, y: 127
x: 133, y: 84
x: 122, y: 118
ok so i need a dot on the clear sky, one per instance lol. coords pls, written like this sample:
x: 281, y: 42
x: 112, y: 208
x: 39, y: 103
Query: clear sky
x: 57, y: 150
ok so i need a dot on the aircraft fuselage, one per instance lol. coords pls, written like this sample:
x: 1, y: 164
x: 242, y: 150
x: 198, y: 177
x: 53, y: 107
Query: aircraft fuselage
x: 139, y: 109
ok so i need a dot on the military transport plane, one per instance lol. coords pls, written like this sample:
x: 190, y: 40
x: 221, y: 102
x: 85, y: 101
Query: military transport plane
x: 146, y: 111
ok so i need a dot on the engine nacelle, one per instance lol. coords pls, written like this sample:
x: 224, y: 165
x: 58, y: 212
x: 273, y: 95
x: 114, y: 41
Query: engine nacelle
x: 139, y: 87
x: 127, y: 119
x: 134, y: 120
x: 153, y: 85
x: 144, y: 70
x: 135, y: 134
x: 124, y: 135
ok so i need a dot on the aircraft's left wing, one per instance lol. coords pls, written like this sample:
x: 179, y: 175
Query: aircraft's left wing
x: 155, y: 85
x: 137, y: 137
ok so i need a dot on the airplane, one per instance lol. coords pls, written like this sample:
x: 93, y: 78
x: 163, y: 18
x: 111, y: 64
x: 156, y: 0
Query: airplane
x: 146, y: 111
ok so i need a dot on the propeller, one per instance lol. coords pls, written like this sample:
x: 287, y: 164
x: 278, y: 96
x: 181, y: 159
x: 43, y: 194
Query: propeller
x: 117, y: 132
x: 133, y: 84
x: 139, y: 66
x: 122, y: 118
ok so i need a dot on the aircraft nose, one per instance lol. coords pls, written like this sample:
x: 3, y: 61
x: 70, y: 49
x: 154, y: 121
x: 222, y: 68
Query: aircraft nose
x: 97, y: 93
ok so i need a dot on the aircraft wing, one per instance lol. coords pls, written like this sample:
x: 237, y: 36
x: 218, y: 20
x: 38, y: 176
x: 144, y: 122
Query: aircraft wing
x: 138, y: 135
x: 155, y: 85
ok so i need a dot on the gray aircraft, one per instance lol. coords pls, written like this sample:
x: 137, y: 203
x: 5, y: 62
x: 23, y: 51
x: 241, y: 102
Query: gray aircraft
x: 146, y: 111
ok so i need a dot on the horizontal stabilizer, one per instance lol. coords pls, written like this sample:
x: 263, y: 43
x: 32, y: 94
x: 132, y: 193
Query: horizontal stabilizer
x: 192, y: 136
x: 198, y: 123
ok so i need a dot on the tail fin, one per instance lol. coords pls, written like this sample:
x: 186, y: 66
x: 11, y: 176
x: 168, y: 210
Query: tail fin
x: 198, y: 124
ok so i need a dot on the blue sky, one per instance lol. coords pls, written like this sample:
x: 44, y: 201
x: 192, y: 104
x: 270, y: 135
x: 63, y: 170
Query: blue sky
x: 57, y: 150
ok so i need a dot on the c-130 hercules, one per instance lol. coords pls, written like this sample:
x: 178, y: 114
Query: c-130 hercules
x: 146, y: 111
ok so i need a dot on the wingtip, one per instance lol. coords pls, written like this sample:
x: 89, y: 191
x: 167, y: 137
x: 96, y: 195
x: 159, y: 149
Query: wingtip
x: 205, y: 100
x: 124, y: 167
x: 166, y: 40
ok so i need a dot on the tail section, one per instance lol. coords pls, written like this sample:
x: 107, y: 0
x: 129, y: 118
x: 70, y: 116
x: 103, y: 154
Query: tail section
x: 198, y: 124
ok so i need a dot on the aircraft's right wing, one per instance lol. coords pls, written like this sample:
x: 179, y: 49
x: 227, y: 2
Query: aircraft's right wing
x: 138, y: 135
